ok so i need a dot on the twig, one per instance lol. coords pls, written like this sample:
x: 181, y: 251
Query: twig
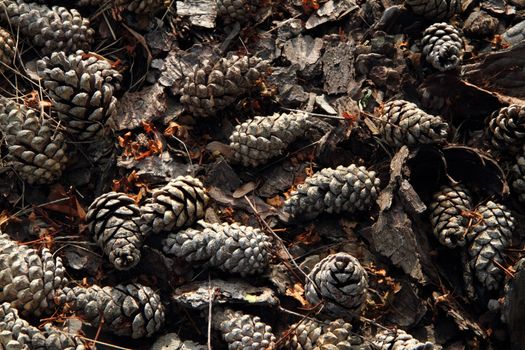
x: 210, y: 305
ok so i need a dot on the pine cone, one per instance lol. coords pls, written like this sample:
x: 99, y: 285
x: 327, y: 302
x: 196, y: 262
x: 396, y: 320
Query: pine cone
x: 215, y: 85
x: 7, y: 49
x: 49, y: 29
x: 127, y: 310
x: 29, y: 279
x: 442, y: 46
x: 403, y: 123
x: 178, y: 204
x: 340, y: 282
x: 518, y: 173
x: 114, y: 221
x: 231, y: 11
x: 344, y: 189
x: 399, y: 340
x: 506, y: 128
x: 258, y: 140
x: 171, y: 341
x: 241, y: 331
x: 36, y: 149
x: 82, y: 87
x: 230, y: 247
x: 435, y: 10
x: 449, y: 226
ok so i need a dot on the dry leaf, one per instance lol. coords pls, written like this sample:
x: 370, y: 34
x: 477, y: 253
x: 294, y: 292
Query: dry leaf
x: 297, y: 292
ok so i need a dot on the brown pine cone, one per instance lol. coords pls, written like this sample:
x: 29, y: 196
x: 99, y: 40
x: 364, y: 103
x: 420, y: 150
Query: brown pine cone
x: 7, y: 49
x: 506, y: 129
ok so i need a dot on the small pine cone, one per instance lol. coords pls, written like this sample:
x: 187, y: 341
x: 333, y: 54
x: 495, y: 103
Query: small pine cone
x: 340, y: 282
x: 178, y: 204
x: 435, y: 10
x: 403, y: 123
x: 344, y: 189
x: 518, y: 173
x: 449, y: 226
x: 215, y: 85
x: 114, y: 221
x: 260, y: 139
x: 399, y: 340
x: 49, y: 29
x: 128, y: 310
x: 7, y: 49
x: 171, y: 341
x: 82, y: 87
x: 232, y: 248
x: 231, y: 11
x: 35, y: 148
x: 442, y: 46
x: 241, y: 331
x: 506, y: 128
x: 29, y: 279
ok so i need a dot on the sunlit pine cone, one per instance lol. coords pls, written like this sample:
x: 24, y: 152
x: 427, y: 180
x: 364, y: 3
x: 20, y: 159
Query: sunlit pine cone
x: 403, y: 123
x: 506, y: 128
x: 399, y: 340
x: 242, y: 331
x: 231, y: 248
x: 343, y: 189
x: 48, y: 29
x: 340, y: 282
x: 260, y: 139
x: 214, y: 85
x: 7, y: 49
x: 81, y: 87
x: 127, y: 310
x: 36, y: 148
x: 442, y: 46
x: 172, y: 341
x: 435, y: 10
x: 231, y: 11
x: 518, y: 174
x: 449, y: 226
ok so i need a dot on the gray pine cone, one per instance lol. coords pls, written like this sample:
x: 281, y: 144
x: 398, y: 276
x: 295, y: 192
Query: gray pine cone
x: 128, y: 310
x: 171, y: 341
x: 340, y: 282
x: 114, y: 221
x: 449, y: 226
x: 214, y: 85
x: 518, y: 174
x: 30, y: 280
x: 343, y: 189
x: 260, y: 139
x: 49, y: 29
x: 435, y: 10
x: 36, y: 149
x: 399, y: 340
x: 231, y: 11
x: 231, y: 248
x: 178, y: 204
x: 81, y: 87
x: 442, y: 46
x: 506, y: 128
x: 7, y: 49
x: 242, y: 331
x: 403, y: 123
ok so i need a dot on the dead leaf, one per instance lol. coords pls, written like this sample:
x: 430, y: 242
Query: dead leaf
x: 244, y: 189
x: 297, y: 292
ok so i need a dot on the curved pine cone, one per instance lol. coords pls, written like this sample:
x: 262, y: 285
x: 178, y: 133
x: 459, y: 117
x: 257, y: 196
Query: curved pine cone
x: 231, y: 248
x: 403, y: 123
x: 343, y: 189
x: 518, y: 173
x: 260, y: 139
x: 231, y: 11
x: 340, y: 282
x: 36, y: 149
x: 442, y: 46
x: 114, y: 220
x: 7, y: 49
x: 435, y: 10
x: 399, y: 340
x: 506, y: 128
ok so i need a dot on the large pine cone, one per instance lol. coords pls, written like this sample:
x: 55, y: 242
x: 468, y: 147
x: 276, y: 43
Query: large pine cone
x: 7, y: 49
x: 231, y: 11
x: 230, y: 247
x: 260, y: 139
x: 403, y: 123
x: 36, y: 149
x: 114, y: 221
x: 214, y: 85
x: 49, y: 29
x: 178, y: 204
x: 506, y: 128
x: 129, y: 310
x: 442, y: 46
x: 399, y: 340
x: 449, y: 225
x: 518, y: 173
x: 435, y: 10
x: 343, y: 189
x: 340, y: 282
x: 81, y: 87
x: 241, y: 331
x: 29, y: 279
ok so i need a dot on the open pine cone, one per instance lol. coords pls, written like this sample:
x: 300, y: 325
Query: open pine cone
x: 7, y: 49
x: 442, y: 46
x: 506, y: 129
x: 399, y: 340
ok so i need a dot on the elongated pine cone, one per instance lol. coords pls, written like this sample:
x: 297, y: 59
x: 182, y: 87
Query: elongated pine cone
x: 242, y: 331
x: 114, y: 221
x: 449, y: 226
x: 178, y: 204
x: 435, y: 10
x: 36, y: 149
x: 128, y: 310
x: 231, y: 11
x: 403, y: 123
x: 518, y: 174
x: 81, y: 87
x: 260, y: 139
x: 231, y: 248
x: 343, y: 189
x: 399, y: 340
x: 506, y: 128
x: 214, y: 85
x: 340, y: 282
x: 442, y: 46
x: 7, y: 49
x: 29, y: 279
x: 48, y: 29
